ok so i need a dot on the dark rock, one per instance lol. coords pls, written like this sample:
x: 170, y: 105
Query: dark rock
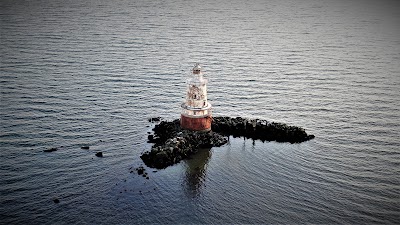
x: 99, y: 154
x: 140, y: 170
x: 259, y: 130
x: 85, y: 147
x: 56, y: 200
x: 172, y: 144
x: 51, y: 150
x: 162, y: 155
x: 150, y: 138
x: 155, y: 119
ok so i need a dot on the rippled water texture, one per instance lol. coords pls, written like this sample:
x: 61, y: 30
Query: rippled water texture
x: 90, y: 73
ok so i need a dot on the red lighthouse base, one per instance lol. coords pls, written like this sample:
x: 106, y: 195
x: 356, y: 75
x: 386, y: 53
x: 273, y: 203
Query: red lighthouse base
x: 196, y: 123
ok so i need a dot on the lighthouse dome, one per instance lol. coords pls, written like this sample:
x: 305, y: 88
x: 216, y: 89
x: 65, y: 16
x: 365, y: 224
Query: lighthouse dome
x: 197, y: 76
x: 197, y: 69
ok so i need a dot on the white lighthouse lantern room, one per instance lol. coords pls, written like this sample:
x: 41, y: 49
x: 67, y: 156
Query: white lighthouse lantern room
x: 196, y: 110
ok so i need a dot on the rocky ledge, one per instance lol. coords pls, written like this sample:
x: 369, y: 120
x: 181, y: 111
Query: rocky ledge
x: 259, y: 130
x: 172, y: 144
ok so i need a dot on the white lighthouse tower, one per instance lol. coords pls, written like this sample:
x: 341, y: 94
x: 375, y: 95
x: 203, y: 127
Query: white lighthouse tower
x: 196, y: 110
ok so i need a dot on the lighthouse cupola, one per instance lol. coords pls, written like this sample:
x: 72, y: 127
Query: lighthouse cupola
x: 196, y: 110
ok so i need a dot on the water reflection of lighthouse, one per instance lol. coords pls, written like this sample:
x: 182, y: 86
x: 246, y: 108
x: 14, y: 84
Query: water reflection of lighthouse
x: 196, y: 169
x: 196, y: 111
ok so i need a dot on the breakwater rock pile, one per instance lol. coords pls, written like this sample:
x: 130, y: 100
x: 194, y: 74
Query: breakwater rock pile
x: 172, y: 144
x: 259, y: 130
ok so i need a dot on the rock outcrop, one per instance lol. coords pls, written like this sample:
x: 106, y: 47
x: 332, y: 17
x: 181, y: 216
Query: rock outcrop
x: 259, y: 130
x: 172, y: 144
x: 50, y: 150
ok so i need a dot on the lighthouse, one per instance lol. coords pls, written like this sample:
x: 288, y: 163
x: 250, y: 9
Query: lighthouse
x: 196, y: 110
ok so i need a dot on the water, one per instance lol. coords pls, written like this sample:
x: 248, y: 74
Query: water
x: 77, y: 73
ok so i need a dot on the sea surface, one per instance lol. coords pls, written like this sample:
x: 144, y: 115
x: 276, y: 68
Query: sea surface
x: 79, y: 73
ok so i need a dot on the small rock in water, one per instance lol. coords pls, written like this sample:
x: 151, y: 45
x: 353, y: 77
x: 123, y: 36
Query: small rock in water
x: 85, y: 147
x: 150, y: 138
x: 56, y: 200
x: 99, y: 154
x: 155, y: 119
x: 51, y: 150
x: 140, y: 170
